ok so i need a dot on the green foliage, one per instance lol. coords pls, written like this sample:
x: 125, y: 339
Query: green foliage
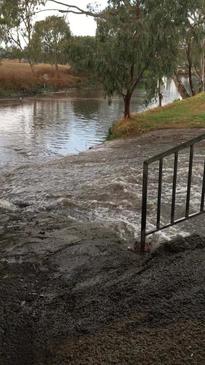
x: 147, y: 40
x: 81, y: 53
x: 13, y: 53
x: 16, y: 25
x: 9, y: 10
x: 50, y: 39
x: 135, y: 39
x: 192, y: 44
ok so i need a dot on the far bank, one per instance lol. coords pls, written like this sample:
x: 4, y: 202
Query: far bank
x: 18, y: 79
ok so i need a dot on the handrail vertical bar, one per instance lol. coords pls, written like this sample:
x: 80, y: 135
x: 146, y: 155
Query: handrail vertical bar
x: 144, y: 207
x: 203, y: 191
x: 159, y: 193
x: 189, y: 180
x: 174, y: 186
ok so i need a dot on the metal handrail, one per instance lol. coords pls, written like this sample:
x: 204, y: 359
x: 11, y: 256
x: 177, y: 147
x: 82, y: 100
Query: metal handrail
x: 172, y: 151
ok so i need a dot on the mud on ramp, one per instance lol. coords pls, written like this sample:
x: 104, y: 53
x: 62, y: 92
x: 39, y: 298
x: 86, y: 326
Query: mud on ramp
x: 92, y: 302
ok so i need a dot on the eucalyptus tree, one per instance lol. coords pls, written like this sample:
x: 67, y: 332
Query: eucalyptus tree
x: 139, y: 42
x: 195, y: 43
x: 138, y: 39
x: 17, y: 22
x: 81, y: 53
x: 191, y: 43
x: 183, y: 22
x: 50, y: 38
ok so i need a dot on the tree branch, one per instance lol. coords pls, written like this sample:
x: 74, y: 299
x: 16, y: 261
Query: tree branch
x: 76, y: 10
x: 42, y: 10
x: 127, y: 4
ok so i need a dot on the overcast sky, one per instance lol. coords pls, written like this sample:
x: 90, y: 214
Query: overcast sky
x: 79, y: 24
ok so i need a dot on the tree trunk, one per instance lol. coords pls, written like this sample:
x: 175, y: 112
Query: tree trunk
x: 56, y: 69
x: 160, y: 94
x: 191, y: 80
x: 31, y: 66
x: 127, y: 100
x: 180, y: 87
x: 203, y: 68
x: 189, y: 59
x: 56, y: 60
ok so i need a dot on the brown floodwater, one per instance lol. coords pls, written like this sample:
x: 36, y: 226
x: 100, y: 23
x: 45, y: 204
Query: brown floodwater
x: 43, y: 129
x: 103, y: 187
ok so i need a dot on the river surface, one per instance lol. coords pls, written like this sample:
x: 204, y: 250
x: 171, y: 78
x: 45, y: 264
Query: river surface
x: 93, y: 191
x: 35, y: 131
x: 97, y: 193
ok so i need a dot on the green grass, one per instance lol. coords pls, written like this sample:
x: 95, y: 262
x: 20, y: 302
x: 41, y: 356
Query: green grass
x: 188, y: 113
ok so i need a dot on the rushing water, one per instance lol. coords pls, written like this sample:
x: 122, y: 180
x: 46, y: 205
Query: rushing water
x: 33, y: 131
x: 102, y: 186
x: 100, y: 191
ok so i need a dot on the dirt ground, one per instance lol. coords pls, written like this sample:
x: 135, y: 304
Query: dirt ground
x: 71, y: 292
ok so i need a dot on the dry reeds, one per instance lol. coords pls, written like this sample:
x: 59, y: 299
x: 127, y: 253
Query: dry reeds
x: 18, y: 77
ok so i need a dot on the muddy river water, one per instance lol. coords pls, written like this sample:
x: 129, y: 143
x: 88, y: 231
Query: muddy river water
x: 96, y: 194
x: 50, y: 127
x: 98, y: 190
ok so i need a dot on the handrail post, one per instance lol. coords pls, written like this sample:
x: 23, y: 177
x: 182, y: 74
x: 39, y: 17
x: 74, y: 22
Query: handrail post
x: 144, y: 207
x: 159, y: 193
x: 174, y: 186
x: 203, y: 191
x: 191, y: 154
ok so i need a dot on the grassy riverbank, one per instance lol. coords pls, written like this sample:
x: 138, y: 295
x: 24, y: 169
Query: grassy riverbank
x: 188, y: 113
x: 16, y: 78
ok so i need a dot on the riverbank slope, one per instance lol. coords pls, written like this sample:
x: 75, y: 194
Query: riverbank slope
x: 187, y: 113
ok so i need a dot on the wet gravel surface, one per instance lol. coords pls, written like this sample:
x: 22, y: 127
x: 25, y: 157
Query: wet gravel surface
x: 70, y: 292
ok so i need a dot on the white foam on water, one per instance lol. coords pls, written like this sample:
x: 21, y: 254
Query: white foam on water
x: 7, y: 205
x: 121, y: 207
